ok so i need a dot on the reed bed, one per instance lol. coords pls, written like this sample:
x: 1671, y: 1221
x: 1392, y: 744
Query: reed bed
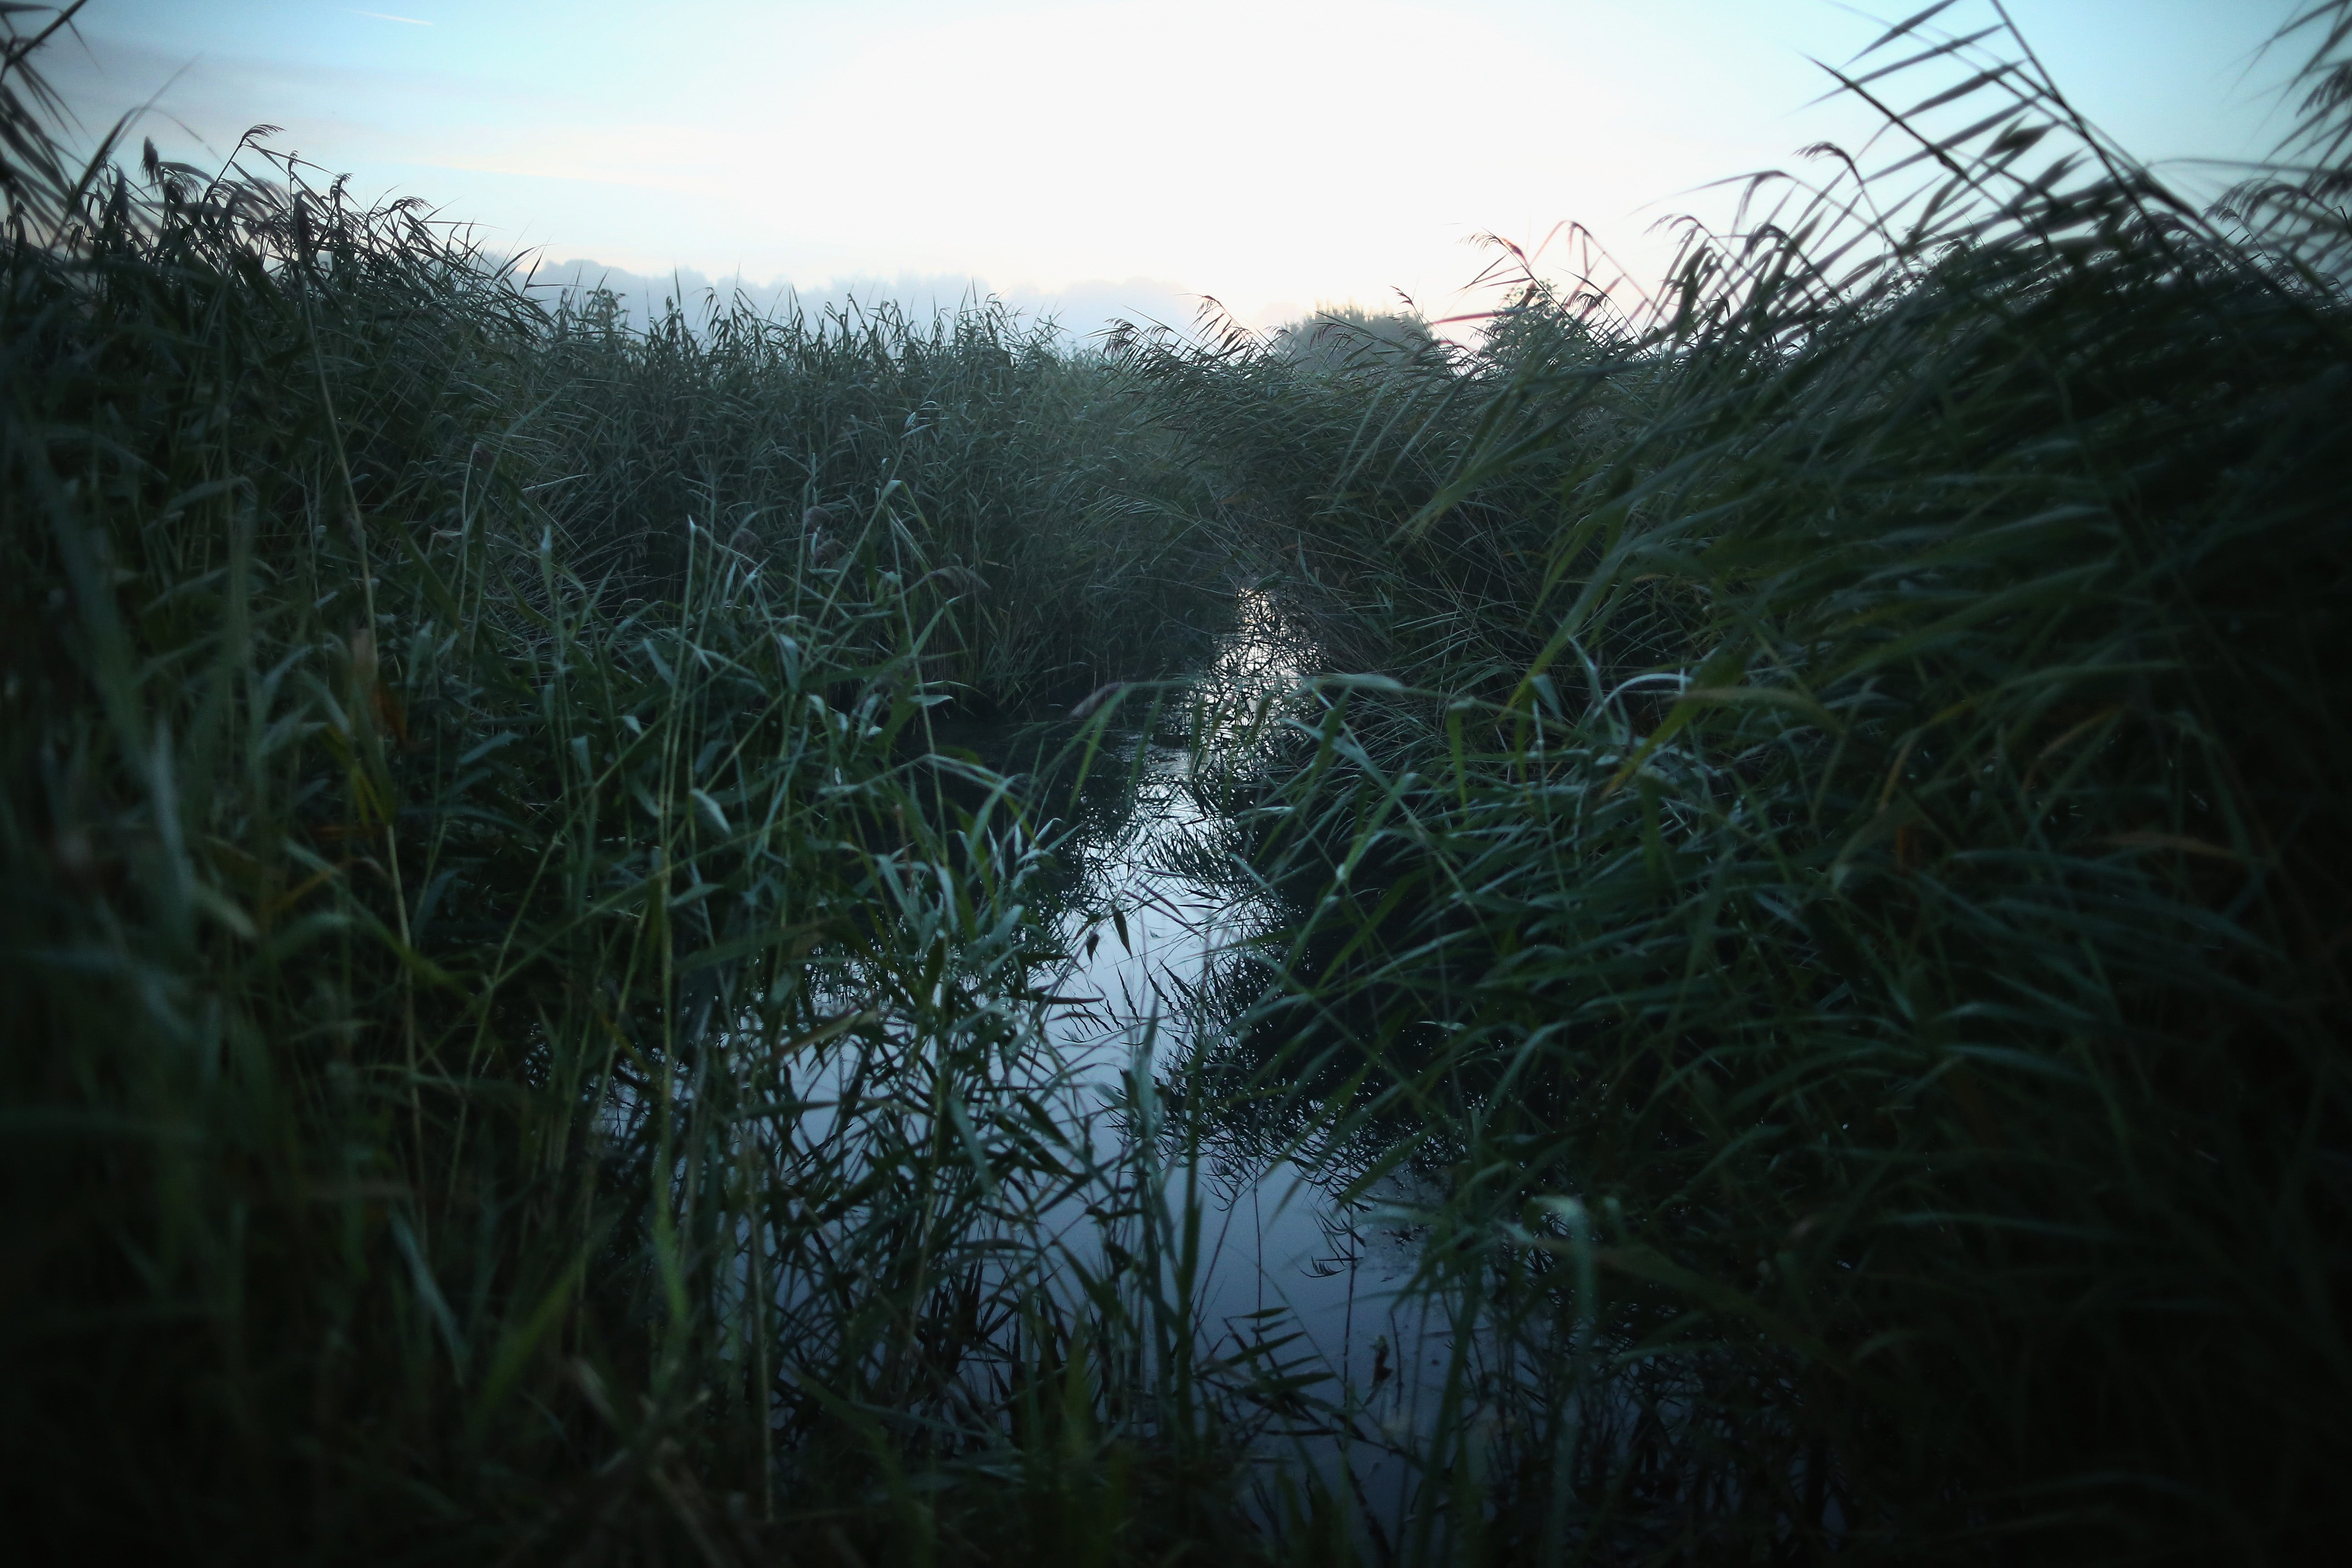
x: 1038, y: 517
x: 1833, y: 874
x: 1818, y: 896
x: 518, y: 1046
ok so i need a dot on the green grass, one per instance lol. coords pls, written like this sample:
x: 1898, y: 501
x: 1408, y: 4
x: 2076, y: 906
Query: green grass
x: 1008, y: 477
x: 1850, y: 859
x: 517, y: 1042
x: 524, y: 1041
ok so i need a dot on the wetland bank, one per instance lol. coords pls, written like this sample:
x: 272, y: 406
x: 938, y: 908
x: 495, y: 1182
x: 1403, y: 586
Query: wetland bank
x: 1709, y: 931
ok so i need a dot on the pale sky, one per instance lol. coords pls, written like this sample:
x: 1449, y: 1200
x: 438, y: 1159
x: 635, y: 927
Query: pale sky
x: 1094, y: 158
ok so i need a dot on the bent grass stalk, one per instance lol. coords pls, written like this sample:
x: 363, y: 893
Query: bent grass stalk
x: 1821, y: 897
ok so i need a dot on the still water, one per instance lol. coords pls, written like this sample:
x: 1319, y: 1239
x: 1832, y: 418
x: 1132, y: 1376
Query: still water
x: 1288, y: 1252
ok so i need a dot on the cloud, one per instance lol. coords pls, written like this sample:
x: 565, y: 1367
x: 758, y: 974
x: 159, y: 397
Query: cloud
x: 1272, y: 153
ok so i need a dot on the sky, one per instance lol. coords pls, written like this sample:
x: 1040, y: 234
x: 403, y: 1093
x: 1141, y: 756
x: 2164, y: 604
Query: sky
x: 1097, y: 160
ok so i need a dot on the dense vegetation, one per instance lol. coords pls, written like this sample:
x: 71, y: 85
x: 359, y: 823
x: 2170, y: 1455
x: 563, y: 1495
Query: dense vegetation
x: 1852, y: 851
x: 468, y: 814
x: 1827, y: 865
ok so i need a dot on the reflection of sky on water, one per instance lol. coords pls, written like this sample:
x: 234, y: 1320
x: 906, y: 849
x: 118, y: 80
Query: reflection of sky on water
x: 1282, y: 1253
x: 1148, y: 902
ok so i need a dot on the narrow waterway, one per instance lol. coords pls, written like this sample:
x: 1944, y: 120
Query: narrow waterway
x: 1291, y: 1259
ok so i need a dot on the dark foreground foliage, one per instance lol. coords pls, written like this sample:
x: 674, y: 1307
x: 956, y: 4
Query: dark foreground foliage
x: 1827, y: 894
x: 516, y: 1045
x: 1851, y: 851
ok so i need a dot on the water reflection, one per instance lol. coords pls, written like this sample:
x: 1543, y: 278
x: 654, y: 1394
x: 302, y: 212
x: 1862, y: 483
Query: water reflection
x: 1161, y: 912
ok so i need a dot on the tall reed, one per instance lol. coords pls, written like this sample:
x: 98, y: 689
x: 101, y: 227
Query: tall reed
x: 1835, y: 876
x: 516, y: 1045
x: 1818, y: 895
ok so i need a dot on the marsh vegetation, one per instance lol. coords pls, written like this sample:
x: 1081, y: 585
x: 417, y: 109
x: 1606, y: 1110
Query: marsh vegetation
x: 569, y: 959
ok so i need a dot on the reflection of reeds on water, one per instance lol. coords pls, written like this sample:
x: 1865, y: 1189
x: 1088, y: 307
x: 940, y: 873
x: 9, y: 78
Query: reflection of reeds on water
x: 1766, y: 861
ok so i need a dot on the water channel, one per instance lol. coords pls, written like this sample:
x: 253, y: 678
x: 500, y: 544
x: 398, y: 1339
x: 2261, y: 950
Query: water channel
x: 1289, y: 1252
